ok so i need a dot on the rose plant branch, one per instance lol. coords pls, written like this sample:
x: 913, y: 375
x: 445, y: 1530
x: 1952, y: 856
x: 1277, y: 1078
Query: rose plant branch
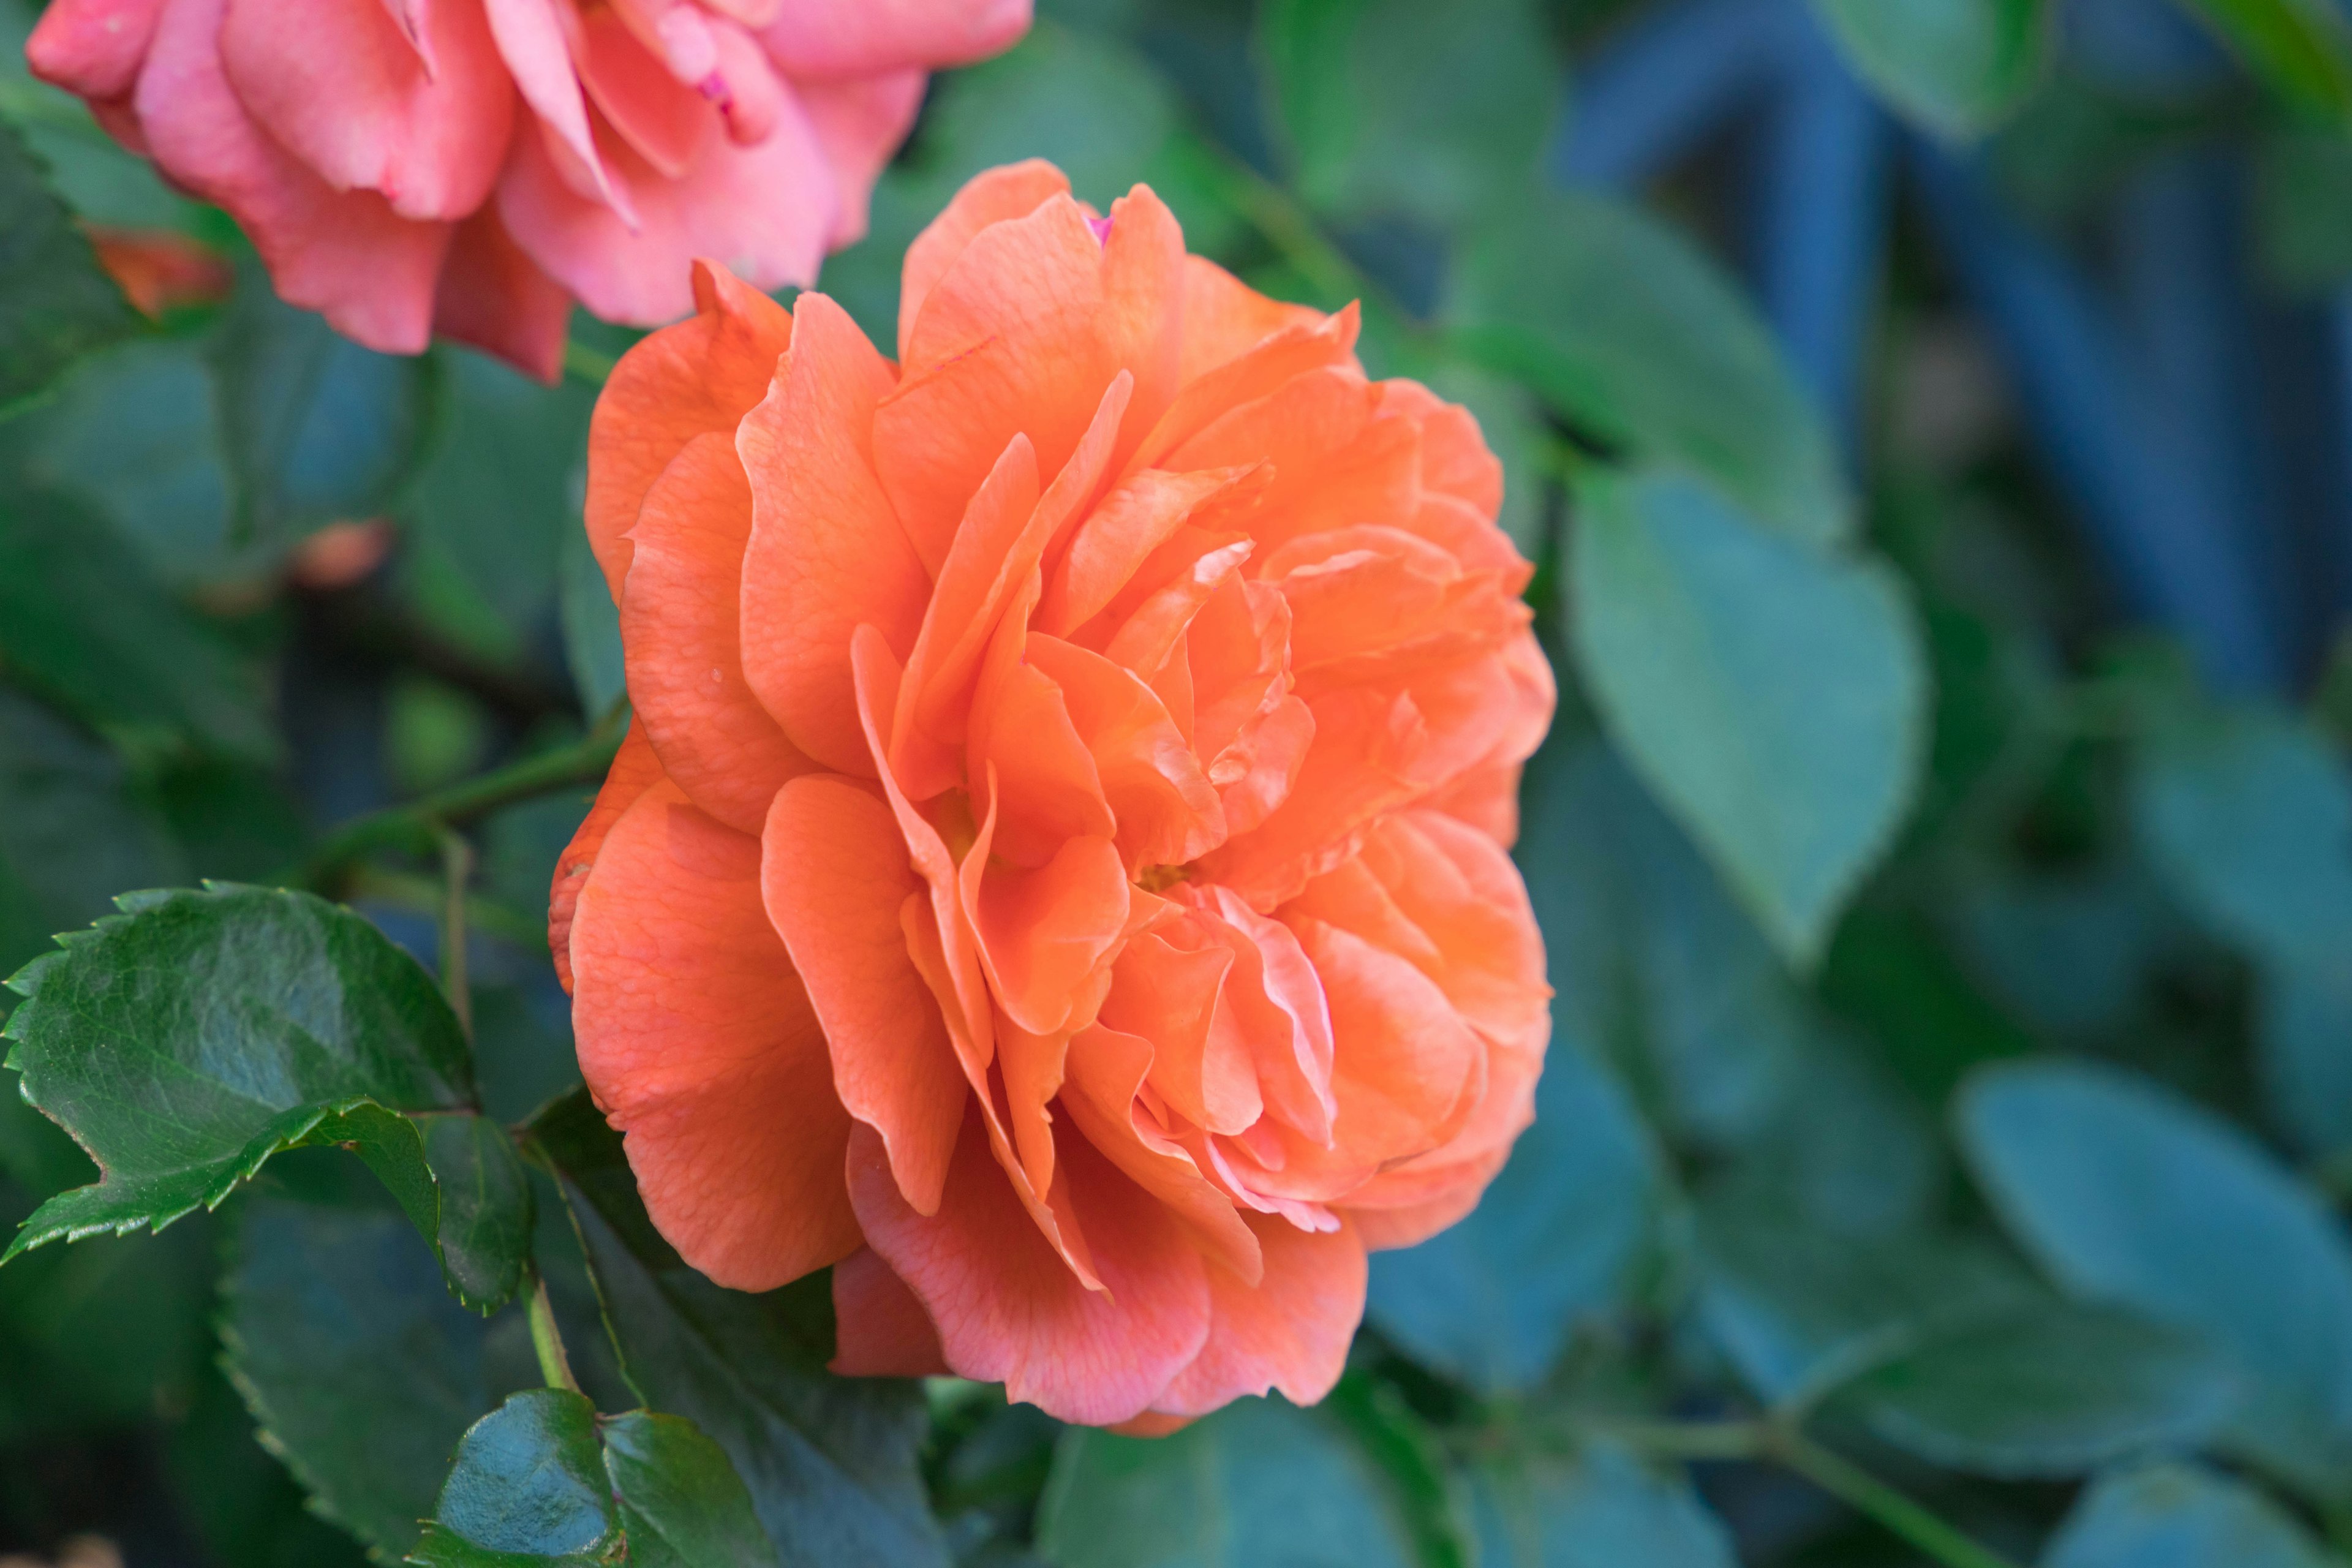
x: 416, y: 826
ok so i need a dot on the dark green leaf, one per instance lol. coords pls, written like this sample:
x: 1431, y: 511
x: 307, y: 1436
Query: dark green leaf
x: 56, y: 304
x: 592, y: 627
x: 528, y: 1487
x: 2303, y: 213
x: 682, y: 1504
x: 1773, y: 693
x: 1492, y: 1300
x: 830, y: 1462
x: 2180, y: 1516
x: 1657, y: 971
x: 188, y: 1039
x: 1432, y: 113
x: 1604, y: 1509
x: 2127, y: 1195
x: 1258, y: 1482
x: 2304, y: 1052
x: 360, y: 1369
x: 242, y: 1503
x: 1800, y: 1310
x: 83, y: 620
x: 1956, y: 67
x: 488, y: 518
x: 2301, y: 50
x: 71, y: 833
x: 316, y: 428
x: 1629, y: 333
x: 2249, y: 813
x: 2056, y: 1392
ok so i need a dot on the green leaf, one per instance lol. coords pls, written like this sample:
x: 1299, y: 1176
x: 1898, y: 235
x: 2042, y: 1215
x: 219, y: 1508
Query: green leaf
x: 2180, y: 1516
x: 1603, y: 1508
x: 486, y: 521
x: 187, y: 1040
x: 2301, y: 50
x: 2127, y: 1195
x: 2303, y: 209
x: 2249, y: 813
x: 1773, y: 693
x: 316, y: 428
x: 1257, y: 1482
x: 1493, y: 1300
x: 528, y: 1487
x: 2056, y: 1392
x: 830, y: 1462
x: 2304, y: 1025
x: 55, y: 303
x: 240, y: 1500
x: 1630, y: 333
x: 592, y: 627
x: 72, y: 833
x: 1800, y: 1310
x: 1397, y: 108
x: 1957, y: 67
x: 83, y: 620
x: 360, y: 1370
x: 1657, y: 971
x: 682, y: 1504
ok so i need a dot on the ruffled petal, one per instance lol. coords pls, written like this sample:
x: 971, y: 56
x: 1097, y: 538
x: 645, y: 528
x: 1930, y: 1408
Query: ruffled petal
x: 699, y: 1044
x: 494, y: 296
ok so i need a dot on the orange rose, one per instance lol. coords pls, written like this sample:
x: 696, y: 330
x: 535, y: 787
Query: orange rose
x: 1056, y: 873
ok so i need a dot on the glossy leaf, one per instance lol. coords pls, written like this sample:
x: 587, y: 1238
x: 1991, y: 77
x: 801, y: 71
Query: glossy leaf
x: 315, y: 428
x: 187, y: 1040
x: 1257, y: 1482
x: 2180, y: 1516
x: 1395, y: 108
x: 1603, y: 1508
x: 1629, y: 333
x: 360, y: 1369
x: 56, y: 302
x: 83, y: 620
x: 830, y: 1462
x: 2127, y: 1195
x: 1955, y: 67
x: 1771, y: 693
x: 1555, y: 1238
x: 682, y: 1504
x: 528, y: 1486
x: 2056, y: 1390
x: 2250, y: 817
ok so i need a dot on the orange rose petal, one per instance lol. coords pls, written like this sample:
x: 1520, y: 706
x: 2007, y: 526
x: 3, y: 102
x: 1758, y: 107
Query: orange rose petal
x: 992, y: 197
x: 1225, y: 318
x: 1005, y: 1309
x: 826, y: 553
x: 880, y: 1329
x: 701, y: 375
x: 692, y: 1032
x: 1106, y: 1067
x: 1288, y: 1331
x: 1167, y: 811
x: 1412, y: 1222
x: 635, y: 770
x: 1043, y: 931
x: 679, y: 623
x: 1047, y: 789
x: 1114, y: 542
x: 834, y: 874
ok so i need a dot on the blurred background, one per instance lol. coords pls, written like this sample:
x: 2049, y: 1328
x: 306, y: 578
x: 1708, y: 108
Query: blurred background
x: 1932, y: 423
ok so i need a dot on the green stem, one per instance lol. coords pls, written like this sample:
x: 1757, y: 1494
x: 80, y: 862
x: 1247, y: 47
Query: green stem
x: 457, y: 870
x: 581, y: 363
x: 1866, y: 1494
x: 548, y: 1339
x: 416, y: 826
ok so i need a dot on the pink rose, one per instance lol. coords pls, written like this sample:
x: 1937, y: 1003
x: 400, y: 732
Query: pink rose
x: 472, y: 166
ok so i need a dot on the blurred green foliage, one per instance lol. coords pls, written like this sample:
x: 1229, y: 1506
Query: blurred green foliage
x: 1949, y: 1114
